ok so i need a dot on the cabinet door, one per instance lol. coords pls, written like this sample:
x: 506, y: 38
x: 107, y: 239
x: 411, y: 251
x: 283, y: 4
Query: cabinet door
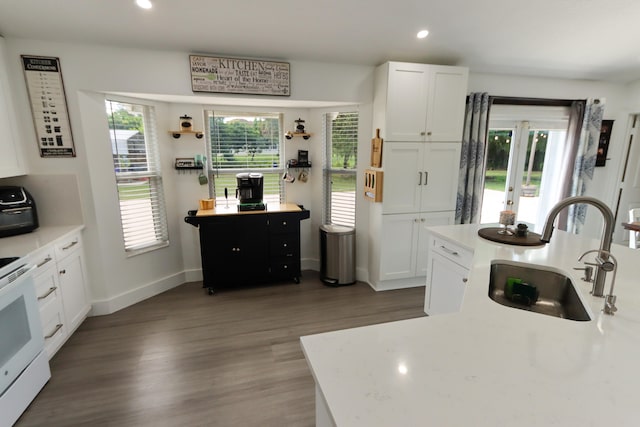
x: 446, y: 103
x: 72, y: 277
x: 441, y: 166
x: 428, y: 220
x: 406, y: 107
x: 445, y: 287
x: 398, y: 246
x: 402, y: 178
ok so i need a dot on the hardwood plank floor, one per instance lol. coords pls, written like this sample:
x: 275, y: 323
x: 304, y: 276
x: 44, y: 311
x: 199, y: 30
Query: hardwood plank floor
x: 184, y: 358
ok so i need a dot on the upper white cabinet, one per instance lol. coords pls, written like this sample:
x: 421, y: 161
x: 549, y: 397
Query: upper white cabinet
x: 11, y: 163
x: 420, y: 102
x: 420, y: 177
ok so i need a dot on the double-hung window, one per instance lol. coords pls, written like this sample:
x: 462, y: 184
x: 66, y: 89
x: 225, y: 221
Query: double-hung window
x: 244, y: 142
x: 136, y: 165
x: 341, y: 143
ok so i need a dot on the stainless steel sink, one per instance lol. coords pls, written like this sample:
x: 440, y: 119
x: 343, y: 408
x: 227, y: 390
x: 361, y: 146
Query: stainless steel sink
x: 557, y: 295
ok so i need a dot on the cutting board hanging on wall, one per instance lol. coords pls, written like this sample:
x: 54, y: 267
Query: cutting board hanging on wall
x: 376, y: 151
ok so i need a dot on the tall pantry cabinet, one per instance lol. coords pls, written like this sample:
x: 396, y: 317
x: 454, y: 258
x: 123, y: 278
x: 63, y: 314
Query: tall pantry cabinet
x: 11, y: 162
x: 419, y: 109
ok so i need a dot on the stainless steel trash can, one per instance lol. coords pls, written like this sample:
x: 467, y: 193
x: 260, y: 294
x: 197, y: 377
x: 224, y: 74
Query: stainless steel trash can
x: 337, y: 255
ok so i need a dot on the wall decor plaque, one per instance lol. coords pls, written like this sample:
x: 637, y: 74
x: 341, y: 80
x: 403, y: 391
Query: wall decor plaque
x: 240, y: 76
x: 48, y: 106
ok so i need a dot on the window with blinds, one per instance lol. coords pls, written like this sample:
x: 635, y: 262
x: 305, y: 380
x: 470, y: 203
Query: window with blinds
x: 341, y: 143
x: 244, y: 142
x: 136, y: 165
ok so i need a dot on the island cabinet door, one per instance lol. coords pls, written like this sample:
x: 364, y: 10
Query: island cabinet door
x: 234, y: 250
x: 446, y: 284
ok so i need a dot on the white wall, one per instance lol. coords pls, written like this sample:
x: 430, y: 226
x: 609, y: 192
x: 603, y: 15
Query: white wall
x: 90, y: 70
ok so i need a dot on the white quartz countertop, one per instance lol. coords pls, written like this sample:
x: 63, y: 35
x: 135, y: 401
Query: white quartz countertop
x: 26, y: 244
x: 491, y: 365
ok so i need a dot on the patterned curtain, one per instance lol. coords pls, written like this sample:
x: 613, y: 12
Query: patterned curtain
x: 585, y: 161
x: 472, y: 159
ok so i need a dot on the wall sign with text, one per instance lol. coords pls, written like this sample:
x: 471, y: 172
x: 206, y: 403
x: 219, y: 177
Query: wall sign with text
x: 241, y: 76
x: 48, y: 106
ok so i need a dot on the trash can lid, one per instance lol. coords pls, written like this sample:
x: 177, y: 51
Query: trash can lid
x: 337, y: 229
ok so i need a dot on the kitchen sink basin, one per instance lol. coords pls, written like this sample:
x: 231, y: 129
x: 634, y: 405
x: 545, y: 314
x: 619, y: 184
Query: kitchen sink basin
x: 556, y: 295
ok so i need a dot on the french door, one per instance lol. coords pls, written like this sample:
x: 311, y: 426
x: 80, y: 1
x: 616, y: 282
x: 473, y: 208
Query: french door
x: 523, y: 162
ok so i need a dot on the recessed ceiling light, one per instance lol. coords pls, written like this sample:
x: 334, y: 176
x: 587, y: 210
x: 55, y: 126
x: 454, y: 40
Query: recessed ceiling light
x: 422, y: 34
x: 145, y: 4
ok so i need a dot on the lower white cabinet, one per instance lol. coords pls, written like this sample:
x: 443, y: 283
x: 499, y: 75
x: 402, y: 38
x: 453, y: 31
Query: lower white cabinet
x: 61, y: 290
x: 447, y: 273
x: 403, y: 243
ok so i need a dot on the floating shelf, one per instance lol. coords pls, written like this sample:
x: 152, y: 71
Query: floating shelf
x: 176, y: 133
x: 304, y: 135
x: 298, y: 165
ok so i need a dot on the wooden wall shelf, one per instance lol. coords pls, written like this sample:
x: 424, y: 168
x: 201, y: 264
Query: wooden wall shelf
x: 177, y: 133
x: 304, y: 135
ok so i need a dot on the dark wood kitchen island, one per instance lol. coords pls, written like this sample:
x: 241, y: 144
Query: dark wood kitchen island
x: 243, y: 248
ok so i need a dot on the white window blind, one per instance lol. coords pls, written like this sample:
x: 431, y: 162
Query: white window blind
x: 341, y: 142
x: 245, y: 142
x: 136, y: 164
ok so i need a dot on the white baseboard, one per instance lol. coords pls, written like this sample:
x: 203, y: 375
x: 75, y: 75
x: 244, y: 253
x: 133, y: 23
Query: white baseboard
x: 388, y: 285
x: 125, y: 299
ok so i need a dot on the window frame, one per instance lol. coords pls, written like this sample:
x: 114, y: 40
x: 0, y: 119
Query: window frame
x: 329, y: 171
x: 216, y: 191
x: 153, y: 174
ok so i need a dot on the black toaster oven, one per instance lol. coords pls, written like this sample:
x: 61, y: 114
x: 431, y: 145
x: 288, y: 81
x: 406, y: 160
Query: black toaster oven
x: 18, y: 212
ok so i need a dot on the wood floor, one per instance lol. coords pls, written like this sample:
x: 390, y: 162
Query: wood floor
x: 184, y: 358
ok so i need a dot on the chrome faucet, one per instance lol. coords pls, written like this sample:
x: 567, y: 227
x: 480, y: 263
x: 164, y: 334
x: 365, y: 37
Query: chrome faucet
x: 610, y: 264
x: 607, y: 235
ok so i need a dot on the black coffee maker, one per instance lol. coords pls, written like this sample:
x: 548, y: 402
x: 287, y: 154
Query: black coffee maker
x: 249, y: 191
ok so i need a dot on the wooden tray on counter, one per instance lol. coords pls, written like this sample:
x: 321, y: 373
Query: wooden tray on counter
x: 491, y: 233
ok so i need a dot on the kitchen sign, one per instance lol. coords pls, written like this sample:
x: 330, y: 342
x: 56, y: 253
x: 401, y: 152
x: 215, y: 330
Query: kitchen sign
x: 48, y: 106
x: 241, y: 76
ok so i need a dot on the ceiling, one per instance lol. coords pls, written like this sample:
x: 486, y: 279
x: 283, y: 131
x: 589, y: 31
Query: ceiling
x: 583, y: 39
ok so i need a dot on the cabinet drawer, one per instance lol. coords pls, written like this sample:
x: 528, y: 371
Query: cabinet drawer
x: 284, y: 245
x: 285, y: 267
x: 54, y: 329
x: 453, y: 252
x: 67, y: 246
x: 47, y: 289
x: 43, y: 259
x: 283, y: 223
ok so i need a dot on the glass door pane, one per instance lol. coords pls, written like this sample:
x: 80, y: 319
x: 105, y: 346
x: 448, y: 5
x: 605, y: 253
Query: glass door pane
x: 495, y: 181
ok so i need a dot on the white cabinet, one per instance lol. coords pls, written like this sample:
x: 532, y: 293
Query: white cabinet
x: 11, y: 163
x: 448, y: 271
x: 405, y: 253
x: 420, y: 102
x: 420, y: 177
x: 61, y: 290
x: 419, y: 109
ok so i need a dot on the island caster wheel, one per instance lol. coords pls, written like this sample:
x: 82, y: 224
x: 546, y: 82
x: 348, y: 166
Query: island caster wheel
x: 296, y: 280
x: 210, y: 291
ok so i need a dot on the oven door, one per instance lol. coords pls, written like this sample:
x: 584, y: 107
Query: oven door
x: 20, y: 329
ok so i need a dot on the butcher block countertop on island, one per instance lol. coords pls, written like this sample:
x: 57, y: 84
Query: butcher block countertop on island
x: 490, y: 365
x: 233, y: 209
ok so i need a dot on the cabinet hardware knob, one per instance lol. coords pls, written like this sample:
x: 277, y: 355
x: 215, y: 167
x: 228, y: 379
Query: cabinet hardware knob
x: 284, y: 222
x: 465, y: 280
x: 49, y: 292
x: 421, y: 219
x: 285, y: 245
x: 63, y: 271
x: 429, y: 133
x: 422, y: 133
x: 44, y: 261
x: 55, y: 331
x: 286, y: 266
